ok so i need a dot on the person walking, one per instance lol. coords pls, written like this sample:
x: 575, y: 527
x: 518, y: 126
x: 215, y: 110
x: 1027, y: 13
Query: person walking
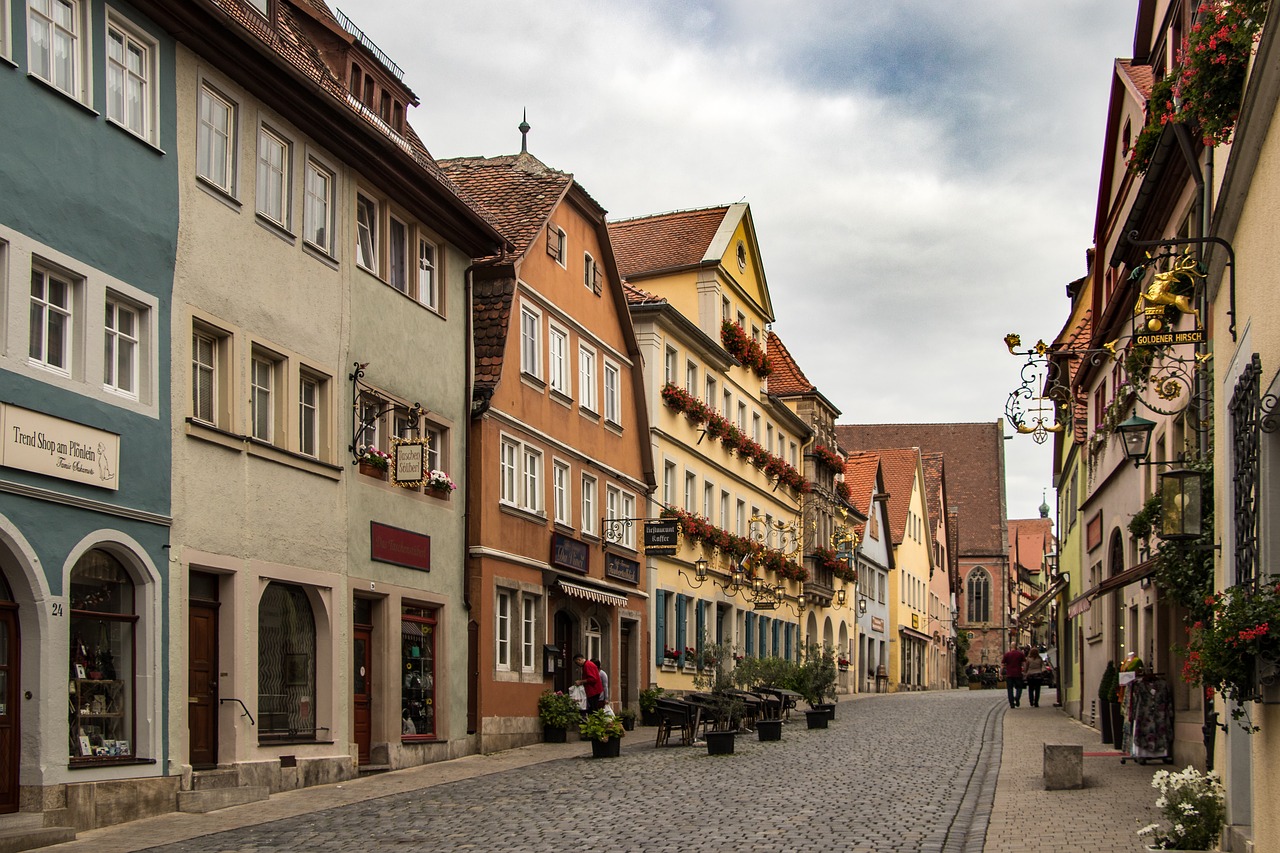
x: 1033, y: 672
x: 590, y: 682
x: 604, y: 679
x: 1013, y: 661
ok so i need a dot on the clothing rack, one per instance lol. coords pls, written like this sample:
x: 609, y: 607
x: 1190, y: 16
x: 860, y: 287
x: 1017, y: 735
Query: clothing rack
x: 1148, y: 725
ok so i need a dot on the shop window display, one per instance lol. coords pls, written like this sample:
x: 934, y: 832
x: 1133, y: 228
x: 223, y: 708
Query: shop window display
x: 418, y: 672
x: 286, y: 664
x: 100, y: 691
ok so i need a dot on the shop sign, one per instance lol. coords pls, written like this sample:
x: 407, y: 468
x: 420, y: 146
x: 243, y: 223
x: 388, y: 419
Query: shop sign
x: 616, y: 566
x: 661, y: 537
x: 399, y: 547
x: 1194, y: 336
x: 915, y: 621
x: 569, y: 553
x: 877, y: 624
x: 43, y: 444
x: 1093, y: 532
x: 407, y: 457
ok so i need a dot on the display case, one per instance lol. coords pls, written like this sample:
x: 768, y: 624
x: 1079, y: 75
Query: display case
x: 417, y: 673
x: 99, y: 719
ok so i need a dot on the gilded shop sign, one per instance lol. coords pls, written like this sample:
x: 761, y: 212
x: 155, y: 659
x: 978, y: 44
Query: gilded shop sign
x: 43, y: 444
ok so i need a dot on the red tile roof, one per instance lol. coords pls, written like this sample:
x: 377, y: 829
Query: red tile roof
x: 898, y: 467
x: 665, y: 241
x: 974, y: 455
x: 491, y: 310
x: 933, y: 482
x: 860, y: 476
x: 1029, y: 540
x: 516, y: 192
x: 636, y: 296
x: 785, y: 375
x: 1141, y: 76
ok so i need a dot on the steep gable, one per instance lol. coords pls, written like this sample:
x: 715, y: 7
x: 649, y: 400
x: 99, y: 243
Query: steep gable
x: 652, y: 245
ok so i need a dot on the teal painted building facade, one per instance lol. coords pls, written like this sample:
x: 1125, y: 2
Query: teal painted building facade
x: 88, y: 238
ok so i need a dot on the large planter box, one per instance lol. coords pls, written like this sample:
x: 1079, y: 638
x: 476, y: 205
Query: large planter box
x: 610, y: 748
x: 769, y: 729
x: 553, y: 734
x: 816, y: 719
x: 720, y: 743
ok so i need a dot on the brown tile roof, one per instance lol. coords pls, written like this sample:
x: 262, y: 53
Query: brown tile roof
x: 785, y: 375
x: 860, y: 476
x: 636, y: 296
x: 1029, y: 540
x: 665, y: 241
x: 516, y: 192
x: 491, y: 309
x: 1141, y: 76
x: 933, y: 474
x: 898, y: 466
x: 974, y: 455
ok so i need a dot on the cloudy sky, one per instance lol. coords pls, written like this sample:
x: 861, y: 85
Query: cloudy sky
x: 922, y: 173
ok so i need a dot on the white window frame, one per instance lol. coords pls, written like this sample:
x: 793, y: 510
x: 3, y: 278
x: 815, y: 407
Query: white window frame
x: 428, y: 273
x: 691, y: 377
x: 531, y: 341
x: 215, y: 146
x: 713, y: 389
x: 367, y: 212
x: 557, y: 244
x: 612, y: 393
x: 435, y: 436
x: 310, y: 389
x: 558, y: 360
x: 143, y: 121
x: 560, y: 492
x: 670, y: 358
x: 45, y: 312
x: 73, y: 80
x: 669, y: 483
x: 261, y: 395
x: 118, y: 341
x: 708, y: 499
x: 528, y: 631
x: 531, y: 478
x: 690, y: 491
x: 398, y: 254
x: 587, y: 378
x: 502, y: 630
x: 508, y: 471
x: 612, y: 503
x: 210, y: 367
x: 628, y: 511
x: 590, y: 511
x: 273, y: 178
x: 588, y: 267
x: 318, y: 208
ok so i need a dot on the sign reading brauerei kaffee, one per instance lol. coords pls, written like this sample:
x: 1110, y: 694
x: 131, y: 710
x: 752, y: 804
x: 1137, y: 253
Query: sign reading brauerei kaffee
x: 43, y: 444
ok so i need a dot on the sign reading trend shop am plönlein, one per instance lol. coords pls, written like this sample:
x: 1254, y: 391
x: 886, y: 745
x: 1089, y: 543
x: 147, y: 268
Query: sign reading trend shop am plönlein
x: 43, y: 444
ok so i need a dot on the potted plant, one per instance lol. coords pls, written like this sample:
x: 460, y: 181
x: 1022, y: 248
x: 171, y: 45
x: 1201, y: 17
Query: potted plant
x: 605, y: 732
x: 557, y: 711
x: 724, y: 709
x: 649, y: 705
x: 1192, y: 803
x: 1107, y: 695
x: 1236, y: 649
x: 439, y: 482
x: 372, y: 462
x: 628, y: 717
x: 815, y: 680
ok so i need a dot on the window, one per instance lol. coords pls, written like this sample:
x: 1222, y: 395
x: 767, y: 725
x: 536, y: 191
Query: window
x: 204, y: 377
x: 556, y: 240
x: 130, y: 93
x: 742, y: 416
x: 532, y: 494
x: 728, y: 404
x: 669, y: 366
x: 54, y: 44
x: 1100, y: 404
x: 726, y: 309
x: 273, y: 176
x: 355, y: 79
x: 103, y: 637
x: 508, y: 471
x: 309, y: 416
x: 262, y: 382
x: 530, y: 341
x: 768, y: 436
x: 502, y: 627
x: 558, y: 360
x: 612, y: 393
x: 120, y: 358
x: 286, y: 664
x: 740, y: 521
x: 398, y: 255
x: 589, y: 504
x: 755, y: 427
x: 628, y: 501
x: 591, y: 273
x: 215, y: 151
x: 367, y: 233
x: 669, y: 483
x: 979, y: 589
x: 708, y: 500
x: 724, y: 511
x: 51, y: 320
x: 560, y: 492
x: 587, y: 378
x: 612, y: 502
x: 418, y: 654
x: 690, y: 491
x: 260, y: 5
x: 428, y: 287
x: 691, y: 378
x: 711, y: 390
x: 317, y: 213
x: 528, y: 631
x: 435, y: 449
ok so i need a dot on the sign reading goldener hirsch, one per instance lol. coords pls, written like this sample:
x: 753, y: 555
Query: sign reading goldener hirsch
x: 43, y: 444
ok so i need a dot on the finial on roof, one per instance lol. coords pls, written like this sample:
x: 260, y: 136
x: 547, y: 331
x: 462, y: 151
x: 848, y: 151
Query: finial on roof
x: 1044, y: 506
x: 524, y: 132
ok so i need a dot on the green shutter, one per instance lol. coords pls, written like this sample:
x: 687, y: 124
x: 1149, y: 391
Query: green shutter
x: 659, y: 624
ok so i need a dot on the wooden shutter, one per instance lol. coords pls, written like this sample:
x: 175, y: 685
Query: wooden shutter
x: 701, y: 626
x: 681, y: 625
x: 659, y: 624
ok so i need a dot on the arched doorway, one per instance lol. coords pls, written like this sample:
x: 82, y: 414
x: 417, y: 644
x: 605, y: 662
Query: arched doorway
x: 10, y: 731
x: 563, y: 632
x: 1115, y: 565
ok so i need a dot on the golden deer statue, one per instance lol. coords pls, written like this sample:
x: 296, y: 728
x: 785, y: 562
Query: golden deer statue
x: 1160, y: 292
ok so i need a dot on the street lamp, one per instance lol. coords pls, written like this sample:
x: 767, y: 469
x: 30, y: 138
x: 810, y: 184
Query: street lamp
x: 1136, y: 435
x: 1180, y: 516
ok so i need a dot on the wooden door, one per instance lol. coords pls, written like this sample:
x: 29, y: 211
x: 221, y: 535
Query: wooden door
x: 362, y: 690
x: 202, y: 684
x: 563, y: 637
x: 10, y: 736
x: 624, y: 666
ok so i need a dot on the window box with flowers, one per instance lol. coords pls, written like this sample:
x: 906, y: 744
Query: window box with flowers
x: 1236, y: 650
x: 372, y: 462
x: 439, y: 484
x: 842, y: 663
x: 827, y: 457
x: 745, y: 349
x: 669, y: 658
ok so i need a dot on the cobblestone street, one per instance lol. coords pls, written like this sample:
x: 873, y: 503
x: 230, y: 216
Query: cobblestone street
x: 902, y: 772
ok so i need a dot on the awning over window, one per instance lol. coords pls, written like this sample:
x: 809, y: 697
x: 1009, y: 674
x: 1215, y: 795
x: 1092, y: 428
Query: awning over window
x: 1039, y: 604
x: 912, y: 632
x: 1081, y: 603
x: 591, y: 593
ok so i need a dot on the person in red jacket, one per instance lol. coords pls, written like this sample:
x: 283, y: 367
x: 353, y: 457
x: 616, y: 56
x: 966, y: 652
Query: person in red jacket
x: 590, y: 682
x: 1013, y: 661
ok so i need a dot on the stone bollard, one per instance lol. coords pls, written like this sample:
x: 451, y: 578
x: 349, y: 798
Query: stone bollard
x: 1063, y: 767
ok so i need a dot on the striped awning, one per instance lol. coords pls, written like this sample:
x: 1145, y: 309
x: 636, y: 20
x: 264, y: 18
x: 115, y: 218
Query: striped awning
x: 591, y: 593
x: 1039, y: 604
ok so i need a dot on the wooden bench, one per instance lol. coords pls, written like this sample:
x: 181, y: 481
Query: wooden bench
x: 674, y: 715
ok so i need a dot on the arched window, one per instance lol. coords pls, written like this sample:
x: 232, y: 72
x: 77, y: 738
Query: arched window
x: 979, y: 595
x: 286, y: 664
x: 593, y: 639
x: 102, y: 654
